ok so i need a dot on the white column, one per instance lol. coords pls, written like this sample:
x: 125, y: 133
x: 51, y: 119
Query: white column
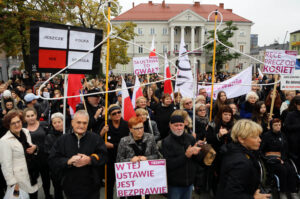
x: 172, y: 41
x: 192, y: 38
x: 202, y: 36
x: 182, y: 32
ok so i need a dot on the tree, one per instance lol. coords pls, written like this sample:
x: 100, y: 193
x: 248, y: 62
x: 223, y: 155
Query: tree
x: 15, y: 17
x: 223, y: 54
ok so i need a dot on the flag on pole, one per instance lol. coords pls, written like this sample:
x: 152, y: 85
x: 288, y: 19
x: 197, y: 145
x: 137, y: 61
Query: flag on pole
x: 137, y: 91
x: 127, y: 108
x: 74, y: 87
x: 152, y: 53
x: 184, y: 79
x: 260, y: 73
x: 167, y: 74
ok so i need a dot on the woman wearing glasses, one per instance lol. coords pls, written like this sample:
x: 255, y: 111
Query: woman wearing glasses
x: 138, y: 146
x: 18, y: 155
x: 116, y: 129
x: 187, y: 105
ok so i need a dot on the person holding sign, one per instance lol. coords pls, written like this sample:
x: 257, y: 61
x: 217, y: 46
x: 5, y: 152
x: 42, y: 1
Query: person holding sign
x: 182, y: 155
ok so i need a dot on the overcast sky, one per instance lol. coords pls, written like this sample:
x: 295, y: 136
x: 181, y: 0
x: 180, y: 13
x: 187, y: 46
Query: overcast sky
x: 271, y: 18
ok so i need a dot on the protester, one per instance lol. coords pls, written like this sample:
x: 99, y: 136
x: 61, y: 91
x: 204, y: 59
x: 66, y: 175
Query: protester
x: 248, y: 106
x: 182, y: 155
x: 18, y: 156
x: 275, y: 151
x: 79, y: 166
x: 260, y: 116
x: 277, y: 104
x: 220, y: 102
x: 186, y: 104
x: 150, y: 126
x: 240, y: 174
x: 116, y: 129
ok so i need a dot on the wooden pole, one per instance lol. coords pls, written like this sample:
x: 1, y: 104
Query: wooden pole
x: 65, y: 102
x: 273, y: 98
x: 213, y: 70
x: 106, y: 88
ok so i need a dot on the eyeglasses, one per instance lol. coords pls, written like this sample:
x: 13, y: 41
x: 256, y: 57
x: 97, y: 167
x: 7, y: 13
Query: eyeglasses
x: 115, y: 113
x: 15, y: 123
x: 202, y: 110
x: 187, y: 103
x: 138, y: 128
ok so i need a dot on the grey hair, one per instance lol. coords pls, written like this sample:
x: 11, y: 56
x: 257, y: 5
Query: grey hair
x: 251, y: 94
x: 57, y: 115
x: 82, y: 113
x: 183, y: 101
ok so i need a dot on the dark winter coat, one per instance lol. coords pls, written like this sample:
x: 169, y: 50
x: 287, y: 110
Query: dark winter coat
x: 162, y: 118
x: 152, y: 129
x: 181, y: 171
x: 78, y: 182
x: 240, y: 174
x: 246, y: 110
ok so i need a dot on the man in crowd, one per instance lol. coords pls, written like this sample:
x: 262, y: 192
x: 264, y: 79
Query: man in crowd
x: 77, y: 157
x: 182, y: 155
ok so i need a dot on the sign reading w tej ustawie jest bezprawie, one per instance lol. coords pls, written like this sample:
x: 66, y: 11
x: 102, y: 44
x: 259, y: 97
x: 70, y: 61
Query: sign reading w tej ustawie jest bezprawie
x: 55, y: 46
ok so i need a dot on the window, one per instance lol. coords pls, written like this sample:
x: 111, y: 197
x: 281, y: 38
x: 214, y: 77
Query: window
x: 140, y: 31
x: 176, y: 47
x: 242, y: 34
x: 141, y: 49
x: 242, y: 48
x: 295, y: 37
x: 187, y: 47
x: 165, y: 48
x: 152, y: 31
x: 165, y: 31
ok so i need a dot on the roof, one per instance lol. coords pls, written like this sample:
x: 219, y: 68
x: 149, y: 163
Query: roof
x: 164, y: 12
x: 297, y: 31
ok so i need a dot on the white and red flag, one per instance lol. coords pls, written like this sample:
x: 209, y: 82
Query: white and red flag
x: 127, y: 108
x: 137, y: 91
x: 152, y: 53
x: 167, y: 74
x: 74, y: 87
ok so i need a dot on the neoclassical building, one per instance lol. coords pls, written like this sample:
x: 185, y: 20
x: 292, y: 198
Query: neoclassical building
x: 167, y: 23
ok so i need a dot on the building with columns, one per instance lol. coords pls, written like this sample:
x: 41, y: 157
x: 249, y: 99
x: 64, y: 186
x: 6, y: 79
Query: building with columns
x: 167, y: 23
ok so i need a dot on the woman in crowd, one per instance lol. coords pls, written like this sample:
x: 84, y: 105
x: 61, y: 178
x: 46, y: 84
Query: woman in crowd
x: 55, y: 132
x: 289, y: 95
x: 38, y: 132
x: 201, y: 121
x: 260, y: 116
x: 247, y: 107
x: 138, y: 146
x: 187, y: 104
x: 163, y: 113
x: 8, y: 105
x: 116, y: 129
x: 235, y: 111
x: 19, y: 102
x: 240, y: 174
x: 220, y: 102
x: 141, y: 102
x: 150, y: 126
x: 177, y: 97
x: 274, y: 148
x: 44, y: 104
x: 277, y: 104
x: 292, y: 129
x: 152, y: 100
x: 18, y: 156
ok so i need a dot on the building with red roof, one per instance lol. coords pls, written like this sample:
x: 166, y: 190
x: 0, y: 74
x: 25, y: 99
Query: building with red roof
x: 168, y: 23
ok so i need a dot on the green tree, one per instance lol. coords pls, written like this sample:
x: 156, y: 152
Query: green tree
x: 223, y: 54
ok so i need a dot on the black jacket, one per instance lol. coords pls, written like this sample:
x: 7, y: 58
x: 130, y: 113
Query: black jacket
x: 240, y: 176
x: 292, y: 130
x: 162, y: 118
x: 78, y: 183
x: 181, y: 171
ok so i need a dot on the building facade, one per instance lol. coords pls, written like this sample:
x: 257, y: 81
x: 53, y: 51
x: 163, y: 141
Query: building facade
x: 295, y: 42
x: 167, y: 23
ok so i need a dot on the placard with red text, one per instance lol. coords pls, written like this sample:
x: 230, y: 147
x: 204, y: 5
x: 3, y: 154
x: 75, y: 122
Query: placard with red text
x: 279, y: 62
x: 141, y: 178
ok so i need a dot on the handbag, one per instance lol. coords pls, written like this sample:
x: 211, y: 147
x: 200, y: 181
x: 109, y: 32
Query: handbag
x: 10, y: 193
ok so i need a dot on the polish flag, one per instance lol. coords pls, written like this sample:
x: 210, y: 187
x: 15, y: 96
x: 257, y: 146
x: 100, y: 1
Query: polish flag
x: 127, y: 108
x: 137, y: 91
x: 167, y: 74
x: 74, y: 87
x: 152, y: 53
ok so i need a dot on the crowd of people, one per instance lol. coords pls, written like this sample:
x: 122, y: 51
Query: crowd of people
x: 223, y: 157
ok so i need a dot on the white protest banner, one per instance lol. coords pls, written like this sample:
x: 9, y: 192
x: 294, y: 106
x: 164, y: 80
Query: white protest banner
x: 145, y: 65
x: 233, y: 87
x: 141, y: 178
x: 291, y: 82
x: 279, y: 62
